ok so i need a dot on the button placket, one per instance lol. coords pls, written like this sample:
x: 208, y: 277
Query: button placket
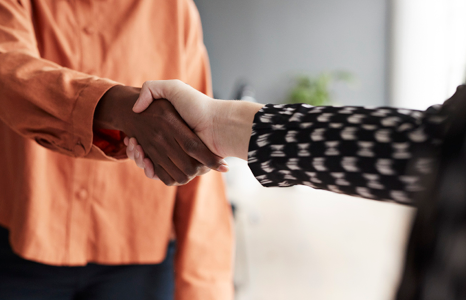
x: 88, y: 28
x: 80, y: 205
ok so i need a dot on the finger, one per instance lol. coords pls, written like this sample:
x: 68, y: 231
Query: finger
x: 178, y: 175
x: 133, y: 141
x: 126, y: 141
x: 164, y: 89
x: 164, y: 168
x: 129, y: 153
x: 195, y: 148
x: 139, y: 156
x: 157, y: 89
x: 164, y: 162
x: 185, y: 163
x: 163, y: 175
x: 131, y: 147
x: 144, y: 100
x: 203, y: 170
x: 149, y: 169
x: 168, y: 89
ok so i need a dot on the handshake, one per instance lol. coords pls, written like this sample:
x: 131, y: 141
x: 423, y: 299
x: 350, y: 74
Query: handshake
x: 187, y: 138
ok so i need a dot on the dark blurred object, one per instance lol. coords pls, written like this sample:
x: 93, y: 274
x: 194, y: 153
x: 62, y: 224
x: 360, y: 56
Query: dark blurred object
x: 436, y: 260
x: 25, y: 279
x: 245, y: 92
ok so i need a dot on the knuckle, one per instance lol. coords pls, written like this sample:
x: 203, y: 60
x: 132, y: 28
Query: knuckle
x: 190, y: 172
x: 146, y: 83
x: 212, y: 163
x: 192, y: 169
x: 182, y: 179
x: 191, y: 146
x: 215, y: 161
x: 159, y: 140
x: 168, y: 182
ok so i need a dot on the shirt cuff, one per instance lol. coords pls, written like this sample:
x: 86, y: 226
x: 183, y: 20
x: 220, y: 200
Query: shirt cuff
x: 83, y: 118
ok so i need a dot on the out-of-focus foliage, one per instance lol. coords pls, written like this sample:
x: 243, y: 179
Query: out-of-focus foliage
x: 315, y: 90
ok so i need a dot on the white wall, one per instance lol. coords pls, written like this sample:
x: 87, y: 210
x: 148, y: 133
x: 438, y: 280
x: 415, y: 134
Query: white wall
x: 268, y: 42
x: 428, y: 51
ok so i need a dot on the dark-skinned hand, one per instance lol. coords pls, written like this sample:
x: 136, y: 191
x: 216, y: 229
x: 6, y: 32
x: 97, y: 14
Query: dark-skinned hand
x: 177, y: 154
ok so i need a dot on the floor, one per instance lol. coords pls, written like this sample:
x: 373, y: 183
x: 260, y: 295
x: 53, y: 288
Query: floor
x: 299, y: 243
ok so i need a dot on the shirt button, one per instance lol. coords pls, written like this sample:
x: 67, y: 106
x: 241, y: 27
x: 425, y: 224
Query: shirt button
x: 82, y: 194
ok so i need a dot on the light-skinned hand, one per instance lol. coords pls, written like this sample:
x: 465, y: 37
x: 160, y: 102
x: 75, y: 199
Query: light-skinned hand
x: 223, y: 126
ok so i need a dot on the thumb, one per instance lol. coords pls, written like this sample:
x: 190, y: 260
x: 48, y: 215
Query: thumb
x: 144, y: 100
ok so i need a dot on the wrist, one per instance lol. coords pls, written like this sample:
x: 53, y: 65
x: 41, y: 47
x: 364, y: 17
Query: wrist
x: 114, y: 109
x: 233, y: 125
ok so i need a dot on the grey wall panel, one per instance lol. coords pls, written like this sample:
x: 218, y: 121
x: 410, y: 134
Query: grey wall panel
x: 268, y: 42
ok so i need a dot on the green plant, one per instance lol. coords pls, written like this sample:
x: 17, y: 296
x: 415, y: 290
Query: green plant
x: 316, y: 90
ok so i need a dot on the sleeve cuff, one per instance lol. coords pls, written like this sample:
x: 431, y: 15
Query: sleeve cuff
x: 83, y: 118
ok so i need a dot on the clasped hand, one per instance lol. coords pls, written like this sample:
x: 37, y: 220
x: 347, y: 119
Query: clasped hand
x: 224, y: 127
x: 198, y: 119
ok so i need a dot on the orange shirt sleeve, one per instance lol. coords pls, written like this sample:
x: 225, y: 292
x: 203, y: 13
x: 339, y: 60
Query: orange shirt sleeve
x: 39, y: 99
x: 204, y: 258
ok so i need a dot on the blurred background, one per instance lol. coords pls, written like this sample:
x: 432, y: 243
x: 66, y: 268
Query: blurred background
x: 299, y: 243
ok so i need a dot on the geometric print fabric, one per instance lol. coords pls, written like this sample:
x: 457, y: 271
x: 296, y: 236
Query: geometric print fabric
x: 364, y: 152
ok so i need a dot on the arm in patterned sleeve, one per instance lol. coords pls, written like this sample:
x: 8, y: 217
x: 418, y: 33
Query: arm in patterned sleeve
x: 351, y: 150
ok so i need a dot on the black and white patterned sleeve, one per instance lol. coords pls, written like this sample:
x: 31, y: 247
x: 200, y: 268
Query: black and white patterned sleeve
x: 350, y: 150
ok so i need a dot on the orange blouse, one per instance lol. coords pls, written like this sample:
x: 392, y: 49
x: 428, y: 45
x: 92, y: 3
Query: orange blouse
x: 67, y: 201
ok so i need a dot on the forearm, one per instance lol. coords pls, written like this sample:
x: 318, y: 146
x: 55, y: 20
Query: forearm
x: 40, y: 99
x: 351, y: 150
x: 48, y: 103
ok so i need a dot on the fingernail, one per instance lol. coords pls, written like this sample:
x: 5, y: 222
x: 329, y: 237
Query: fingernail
x: 156, y: 177
x: 130, y: 146
x: 136, y: 154
x: 223, y: 162
x: 223, y: 169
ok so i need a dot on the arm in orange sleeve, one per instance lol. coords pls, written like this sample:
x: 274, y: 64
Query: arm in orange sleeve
x: 39, y: 99
x: 204, y: 233
x: 202, y: 216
